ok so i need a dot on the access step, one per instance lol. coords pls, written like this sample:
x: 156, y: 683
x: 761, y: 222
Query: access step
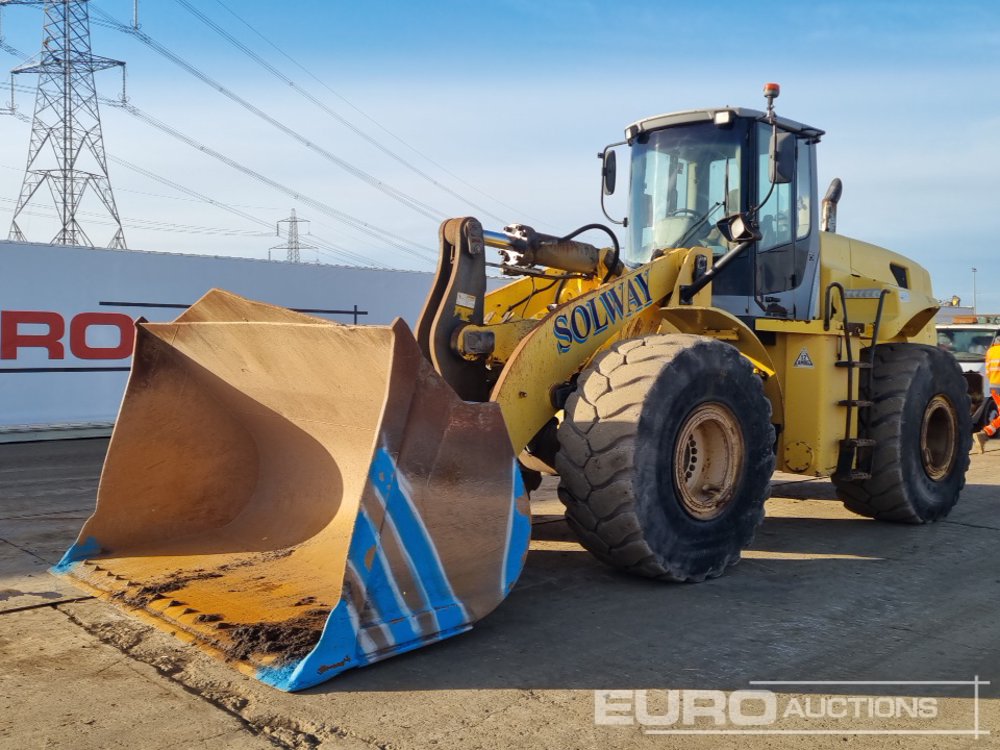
x: 858, y: 443
x: 854, y: 476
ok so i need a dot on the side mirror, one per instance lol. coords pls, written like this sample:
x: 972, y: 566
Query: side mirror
x: 781, y: 161
x: 609, y: 172
x: 738, y: 228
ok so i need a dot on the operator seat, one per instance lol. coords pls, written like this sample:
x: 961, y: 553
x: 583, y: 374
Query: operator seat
x: 670, y: 231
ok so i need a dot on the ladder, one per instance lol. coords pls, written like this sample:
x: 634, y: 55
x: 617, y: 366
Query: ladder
x: 854, y: 459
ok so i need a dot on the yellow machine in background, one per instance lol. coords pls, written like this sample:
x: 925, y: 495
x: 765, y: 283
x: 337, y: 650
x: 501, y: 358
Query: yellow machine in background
x: 302, y: 498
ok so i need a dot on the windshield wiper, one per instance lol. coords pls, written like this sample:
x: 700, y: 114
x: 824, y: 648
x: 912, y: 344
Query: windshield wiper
x: 687, y: 235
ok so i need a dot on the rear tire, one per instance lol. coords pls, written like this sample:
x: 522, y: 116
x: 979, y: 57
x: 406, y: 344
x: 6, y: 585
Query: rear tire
x: 666, y: 455
x: 989, y: 413
x: 921, y: 423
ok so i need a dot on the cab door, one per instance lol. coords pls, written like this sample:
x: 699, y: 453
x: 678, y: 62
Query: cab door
x: 786, y: 258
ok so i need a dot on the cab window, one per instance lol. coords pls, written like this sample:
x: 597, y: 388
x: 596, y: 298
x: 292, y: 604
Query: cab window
x: 775, y: 216
x: 803, y: 187
x: 684, y: 179
x: 784, y: 220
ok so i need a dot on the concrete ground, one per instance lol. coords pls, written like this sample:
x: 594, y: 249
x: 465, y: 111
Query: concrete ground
x: 822, y: 595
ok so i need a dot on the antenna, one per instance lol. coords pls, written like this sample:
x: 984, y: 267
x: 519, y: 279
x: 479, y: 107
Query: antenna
x: 292, y: 243
x: 66, y: 152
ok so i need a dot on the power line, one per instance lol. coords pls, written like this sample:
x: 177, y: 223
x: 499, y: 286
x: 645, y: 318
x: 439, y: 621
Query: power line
x: 164, y: 196
x: 331, y: 112
x: 395, y: 241
x: 371, y: 119
x: 320, y: 245
x: 398, y: 195
x: 324, y: 246
x: 383, y: 236
x: 368, y: 229
x: 146, y: 224
x: 152, y: 224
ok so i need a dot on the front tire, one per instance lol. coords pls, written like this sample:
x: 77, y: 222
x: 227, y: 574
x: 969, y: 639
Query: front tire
x: 922, y: 428
x: 665, y: 456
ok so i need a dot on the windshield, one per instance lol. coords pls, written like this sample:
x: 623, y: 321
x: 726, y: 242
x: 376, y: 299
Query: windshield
x: 967, y: 344
x: 684, y: 179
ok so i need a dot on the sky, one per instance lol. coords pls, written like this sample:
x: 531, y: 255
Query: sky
x: 498, y: 109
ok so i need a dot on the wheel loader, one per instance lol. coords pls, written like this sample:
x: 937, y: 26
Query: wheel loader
x: 300, y: 498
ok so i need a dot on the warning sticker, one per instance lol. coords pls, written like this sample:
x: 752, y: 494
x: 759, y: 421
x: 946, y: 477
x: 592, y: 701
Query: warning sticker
x: 803, y: 360
x: 465, y: 300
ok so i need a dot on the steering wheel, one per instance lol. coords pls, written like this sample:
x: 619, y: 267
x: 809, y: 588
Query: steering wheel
x: 683, y: 212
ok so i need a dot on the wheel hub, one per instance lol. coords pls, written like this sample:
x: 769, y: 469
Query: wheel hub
x: 938, y: 438
x: 707, y: 459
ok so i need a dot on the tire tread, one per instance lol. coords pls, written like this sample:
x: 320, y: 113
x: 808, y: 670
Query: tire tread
x: 885, y: 495
x: 624, y: 375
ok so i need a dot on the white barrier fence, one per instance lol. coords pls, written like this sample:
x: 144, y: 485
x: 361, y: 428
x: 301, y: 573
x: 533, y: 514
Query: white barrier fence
x: 67, y: 313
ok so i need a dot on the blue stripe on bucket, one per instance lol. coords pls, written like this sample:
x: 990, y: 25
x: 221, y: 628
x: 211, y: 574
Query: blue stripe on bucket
x: 80, y: 551
x: 416, y: 543
x: 381, y: 589
x: 336, y: 651
x: 518, y: 535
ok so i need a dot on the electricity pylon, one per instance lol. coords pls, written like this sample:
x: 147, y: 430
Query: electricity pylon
x: 292, y: 243
x: 66, y: 152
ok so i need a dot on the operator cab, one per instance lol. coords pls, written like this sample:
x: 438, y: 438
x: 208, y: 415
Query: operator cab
x: 691, y: 169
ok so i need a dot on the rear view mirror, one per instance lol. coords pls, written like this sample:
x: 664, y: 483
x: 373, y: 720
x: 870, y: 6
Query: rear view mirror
x: 609, y: 172
x: 781, y: 162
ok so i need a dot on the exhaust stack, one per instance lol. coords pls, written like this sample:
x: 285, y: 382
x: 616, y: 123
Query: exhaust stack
x: 828, y: 221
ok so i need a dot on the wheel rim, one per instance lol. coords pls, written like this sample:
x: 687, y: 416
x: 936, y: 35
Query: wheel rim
x: 938, y: 438
x: 707, y: 460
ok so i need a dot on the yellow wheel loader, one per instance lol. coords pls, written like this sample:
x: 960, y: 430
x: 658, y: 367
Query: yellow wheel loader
x: 300, y: 497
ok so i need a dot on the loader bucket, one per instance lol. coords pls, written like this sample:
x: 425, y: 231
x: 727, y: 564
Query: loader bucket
x: 300, y: 497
